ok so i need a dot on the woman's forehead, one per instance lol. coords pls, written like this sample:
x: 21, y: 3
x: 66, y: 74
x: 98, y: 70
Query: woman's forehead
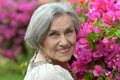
x: 62, y: 21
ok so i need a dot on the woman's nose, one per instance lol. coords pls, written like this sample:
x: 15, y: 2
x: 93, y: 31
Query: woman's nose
x: 64, y: 42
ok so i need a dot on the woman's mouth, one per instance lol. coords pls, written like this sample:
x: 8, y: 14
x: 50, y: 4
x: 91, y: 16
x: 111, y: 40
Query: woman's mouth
x: 64, y: 50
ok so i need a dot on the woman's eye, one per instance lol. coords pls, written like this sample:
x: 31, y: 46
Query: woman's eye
x: 69, y: 31
x: 53, y: 34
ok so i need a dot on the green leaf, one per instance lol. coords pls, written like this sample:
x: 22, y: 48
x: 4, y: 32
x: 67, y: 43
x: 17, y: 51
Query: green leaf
x: 118, y: 40
x: 102, y: 74
x: 91, y: 64
x: 100, y: 78
x: 117, y: 33
x: 98, y: 23
x: 93, y: 38
x: 115, y: 73
x: 29, y: 49
x: 85, y: 5
x: 111, y: 33
x: 101, y: 63
x: 23, y: 67
x: 81, y: 17
x: 5, y: 8
x: 75, y: 5
x: 117, y: 25
x: 107, y: 78
x: 6, y: 21
x: 89, y: 76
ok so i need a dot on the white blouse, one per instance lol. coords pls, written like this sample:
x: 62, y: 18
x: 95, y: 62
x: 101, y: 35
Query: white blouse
x: 46, y: 71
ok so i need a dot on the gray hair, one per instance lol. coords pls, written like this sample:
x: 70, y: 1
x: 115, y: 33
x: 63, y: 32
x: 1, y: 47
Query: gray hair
x: 41, y: 21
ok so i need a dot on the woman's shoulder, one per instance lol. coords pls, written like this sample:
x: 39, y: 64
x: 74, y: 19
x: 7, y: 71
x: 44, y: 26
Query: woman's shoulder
x: 43, y: 70
x: 44, y: 66
x: 41, y: 65
x: 47, y: 71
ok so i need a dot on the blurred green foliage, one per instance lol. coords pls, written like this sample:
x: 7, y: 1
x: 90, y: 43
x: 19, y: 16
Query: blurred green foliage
x: 15, y: 70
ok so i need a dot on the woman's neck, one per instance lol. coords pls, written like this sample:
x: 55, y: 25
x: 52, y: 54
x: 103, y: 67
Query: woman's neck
x: 64, y: 65
x: 42, y: 57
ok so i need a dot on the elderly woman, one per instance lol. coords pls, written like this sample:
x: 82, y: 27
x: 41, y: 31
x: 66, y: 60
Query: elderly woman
x: 52, y: 32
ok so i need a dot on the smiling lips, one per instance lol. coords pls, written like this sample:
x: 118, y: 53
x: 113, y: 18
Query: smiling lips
x: 64, y: 50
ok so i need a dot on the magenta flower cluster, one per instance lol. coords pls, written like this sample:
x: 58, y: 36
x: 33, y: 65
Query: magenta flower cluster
x: 14, y: 18
x: 98, y: 44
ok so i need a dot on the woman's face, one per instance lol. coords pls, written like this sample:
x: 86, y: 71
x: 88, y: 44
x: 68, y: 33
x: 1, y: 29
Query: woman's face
x: 60, y: 41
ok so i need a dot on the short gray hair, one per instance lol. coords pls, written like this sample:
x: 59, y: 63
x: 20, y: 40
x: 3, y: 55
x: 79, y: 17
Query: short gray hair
x: 41, y: 21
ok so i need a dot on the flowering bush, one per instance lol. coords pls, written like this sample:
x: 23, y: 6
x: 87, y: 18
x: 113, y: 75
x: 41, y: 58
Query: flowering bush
x: 14, y: 18
x: 98, y: 44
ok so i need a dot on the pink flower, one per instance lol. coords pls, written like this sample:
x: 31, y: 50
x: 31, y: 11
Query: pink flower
x: 78, y: 11
x: 105, y: 40
x: 9, y: 54
x: 18, y: 40
x: 87, y: 28
x: 21, y: 32
x: 75, y: 66
x: 15, y: 15
x: 9, y: 33
x: 97, y: 54
x: 109, y: 73
x: 117, y: 63
x: 118, y: 15
x: 93, y: 15
x: 1, y: 39
x: 3, y: 16
x: 83, y: 41
x: 97, y: 70
x: 84, y: 55
x: 110, y: 5
x: 27, y: 8
x: 97, y: 30
x: 117, y: 5
x: 100, y: 17
x: 117, y: 76
x: 77, y: 48
x: 71, y: 2
x: 109, y: 18
x: 110, y: 60
x: 14, y: 24
x: 81, y: 33
x: 22, y: 18
x: 99, y: 5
